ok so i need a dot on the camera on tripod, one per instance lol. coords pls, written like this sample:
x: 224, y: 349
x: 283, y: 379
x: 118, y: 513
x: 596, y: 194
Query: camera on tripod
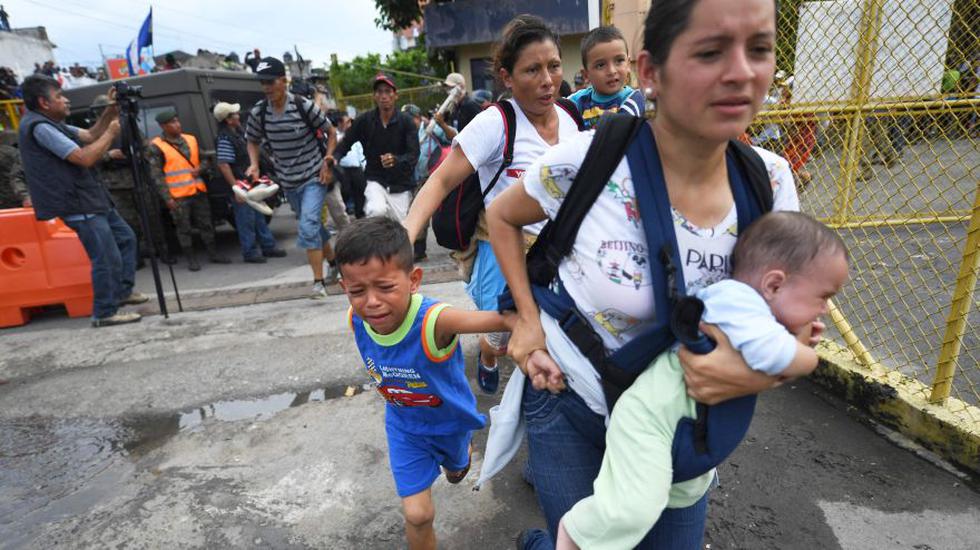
x: 125, y: 90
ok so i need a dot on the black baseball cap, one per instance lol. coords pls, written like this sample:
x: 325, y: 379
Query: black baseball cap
x: 270, y: 68
x: 383, y: 79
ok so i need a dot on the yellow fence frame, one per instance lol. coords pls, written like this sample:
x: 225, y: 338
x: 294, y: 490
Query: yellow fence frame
x: 12, y: 109
x: 342, y: 100
x: 856, y: 112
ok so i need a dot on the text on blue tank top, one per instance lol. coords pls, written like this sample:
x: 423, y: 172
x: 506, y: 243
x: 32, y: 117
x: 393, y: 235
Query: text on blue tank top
x: 426, y: 393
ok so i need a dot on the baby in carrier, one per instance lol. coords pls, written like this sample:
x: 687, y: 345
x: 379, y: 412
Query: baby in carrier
x: 786, y: 268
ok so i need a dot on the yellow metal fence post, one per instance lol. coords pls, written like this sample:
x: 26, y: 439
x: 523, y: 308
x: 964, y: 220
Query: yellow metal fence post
x: 864, y: 62
x: 861, y: 354
x: 966, y: 282
x: 13, y: 114
x: 608, y: 9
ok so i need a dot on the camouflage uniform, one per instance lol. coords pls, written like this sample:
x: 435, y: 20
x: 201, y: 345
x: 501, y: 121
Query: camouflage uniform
x: 192, y: 213
x: 116, y: 175
x: 13, y: 189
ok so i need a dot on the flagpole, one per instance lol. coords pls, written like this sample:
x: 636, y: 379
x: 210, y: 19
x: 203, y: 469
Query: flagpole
x: 153, y: 56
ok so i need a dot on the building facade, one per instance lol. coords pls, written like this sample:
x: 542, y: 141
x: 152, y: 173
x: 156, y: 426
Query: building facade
x: 470, y: 27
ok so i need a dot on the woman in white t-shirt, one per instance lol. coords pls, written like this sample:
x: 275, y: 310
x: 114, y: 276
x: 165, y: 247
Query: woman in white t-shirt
x: 708, y: 63
x: 527, y: 60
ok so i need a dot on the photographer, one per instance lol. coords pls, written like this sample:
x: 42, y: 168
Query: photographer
x: 57, y: 159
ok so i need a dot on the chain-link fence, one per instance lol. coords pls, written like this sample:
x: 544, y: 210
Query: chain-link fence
x: 876, y: 109
x: 427, y: 98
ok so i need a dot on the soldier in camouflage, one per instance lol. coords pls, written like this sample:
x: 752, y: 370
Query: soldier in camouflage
x: 190, y: 208
x: 114, y: 172
x: 13, y: 189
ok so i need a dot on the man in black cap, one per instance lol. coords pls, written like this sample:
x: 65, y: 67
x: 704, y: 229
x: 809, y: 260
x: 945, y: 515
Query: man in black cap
x: 175, y: 165
x: 300, y: 136
x: 391, y: 147
x: 57, y: 160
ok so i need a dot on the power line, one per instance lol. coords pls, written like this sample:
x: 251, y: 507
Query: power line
x: 168, y: 31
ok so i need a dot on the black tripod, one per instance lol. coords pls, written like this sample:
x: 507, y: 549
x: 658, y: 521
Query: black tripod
x: 132, y: 142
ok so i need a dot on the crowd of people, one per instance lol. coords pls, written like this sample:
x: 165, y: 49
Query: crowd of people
x: 576, y: 278
x: 585, y: 232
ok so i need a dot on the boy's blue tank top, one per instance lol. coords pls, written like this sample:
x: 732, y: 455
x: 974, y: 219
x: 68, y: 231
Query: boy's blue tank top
x: 425, y: 386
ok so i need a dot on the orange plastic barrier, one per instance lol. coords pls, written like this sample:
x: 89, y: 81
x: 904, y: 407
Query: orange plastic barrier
x: 41, y: 264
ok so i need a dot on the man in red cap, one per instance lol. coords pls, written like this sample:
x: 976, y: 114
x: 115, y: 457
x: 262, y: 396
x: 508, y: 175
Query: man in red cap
x: 391, y: 147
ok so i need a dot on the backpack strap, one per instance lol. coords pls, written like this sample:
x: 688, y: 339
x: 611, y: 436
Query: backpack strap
x: 569, y: 106
x: 305, y: 115
x: 510, y: 131
x: 612, y: 137
x: 754, y: 169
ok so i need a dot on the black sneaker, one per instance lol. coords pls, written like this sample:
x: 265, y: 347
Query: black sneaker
x: 255, y: 260
x: 117, y: 319
x: 274, y: 253
x: 192, y: 264
x: 488, y: 378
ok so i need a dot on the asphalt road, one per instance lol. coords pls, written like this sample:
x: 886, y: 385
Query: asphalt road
x: 250, y: 427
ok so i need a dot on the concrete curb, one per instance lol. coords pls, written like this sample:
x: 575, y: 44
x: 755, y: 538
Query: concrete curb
x: 899, y: 402
x: 260, y: 294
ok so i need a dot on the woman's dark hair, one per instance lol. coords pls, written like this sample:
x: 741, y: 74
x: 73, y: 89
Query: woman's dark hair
x: 666, y: 20
x: 517, y: 34
x: 37, y: 86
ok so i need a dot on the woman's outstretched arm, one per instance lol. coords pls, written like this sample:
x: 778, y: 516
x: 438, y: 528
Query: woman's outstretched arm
x: 507, y: 215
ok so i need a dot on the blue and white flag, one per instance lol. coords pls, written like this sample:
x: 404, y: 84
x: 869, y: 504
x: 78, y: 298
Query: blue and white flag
x: 139, y: 54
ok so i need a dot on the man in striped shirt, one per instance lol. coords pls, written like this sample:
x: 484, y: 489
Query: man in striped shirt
x: 299, y: 135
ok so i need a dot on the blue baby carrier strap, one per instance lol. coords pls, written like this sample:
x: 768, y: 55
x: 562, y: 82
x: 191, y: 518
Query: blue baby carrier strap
x: 667, y: 275
x: 700, y: 444
x: 704, y: 442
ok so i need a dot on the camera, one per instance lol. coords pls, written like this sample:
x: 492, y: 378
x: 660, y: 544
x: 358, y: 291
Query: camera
x: 125, y: 91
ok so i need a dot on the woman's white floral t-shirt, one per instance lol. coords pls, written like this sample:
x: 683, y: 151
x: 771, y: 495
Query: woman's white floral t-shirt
x: 608, y: 272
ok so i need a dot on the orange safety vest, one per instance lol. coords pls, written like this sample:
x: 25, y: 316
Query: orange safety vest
x: 177, y: 168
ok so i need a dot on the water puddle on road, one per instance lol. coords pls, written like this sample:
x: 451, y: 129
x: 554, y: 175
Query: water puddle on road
x: 154, y: 430
x: 52, y: 469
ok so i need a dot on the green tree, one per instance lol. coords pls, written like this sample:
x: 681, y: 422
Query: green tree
x: 357, y: 76
x: 394, y: 15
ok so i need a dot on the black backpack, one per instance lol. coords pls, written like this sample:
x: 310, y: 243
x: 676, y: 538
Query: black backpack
x: 454, y: 222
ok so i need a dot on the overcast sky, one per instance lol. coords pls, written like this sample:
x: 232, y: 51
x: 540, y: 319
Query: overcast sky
x: 318, y: 28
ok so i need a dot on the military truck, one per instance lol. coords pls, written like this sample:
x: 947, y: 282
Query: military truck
x: 192, y: 93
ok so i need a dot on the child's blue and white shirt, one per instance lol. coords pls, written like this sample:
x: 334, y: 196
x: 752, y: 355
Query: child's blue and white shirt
x: 592, y: 105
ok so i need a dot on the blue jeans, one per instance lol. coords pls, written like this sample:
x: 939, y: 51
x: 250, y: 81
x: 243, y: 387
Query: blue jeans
x: 566, y: 441
x: 111, y: 247
x: 307, y: 202
x: 253, y: 233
